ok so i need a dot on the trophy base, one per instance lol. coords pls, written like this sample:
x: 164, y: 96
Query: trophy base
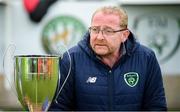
x: 34, y: 106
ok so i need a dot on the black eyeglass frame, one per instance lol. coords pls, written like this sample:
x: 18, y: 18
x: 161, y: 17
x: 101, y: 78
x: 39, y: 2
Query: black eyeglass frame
x: 113, y: 31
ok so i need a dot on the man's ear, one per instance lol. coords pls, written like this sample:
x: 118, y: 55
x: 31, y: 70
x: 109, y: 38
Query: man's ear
x: 125, y: 35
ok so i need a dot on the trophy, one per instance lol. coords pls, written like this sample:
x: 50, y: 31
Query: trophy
x: 36, y: 80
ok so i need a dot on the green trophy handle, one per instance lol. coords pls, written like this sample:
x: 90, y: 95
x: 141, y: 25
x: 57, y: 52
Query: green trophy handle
x: 69, y: 71
x: 13, y: 48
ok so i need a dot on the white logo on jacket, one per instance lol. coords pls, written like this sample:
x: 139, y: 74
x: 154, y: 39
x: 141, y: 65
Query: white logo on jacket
x: 91, y: 80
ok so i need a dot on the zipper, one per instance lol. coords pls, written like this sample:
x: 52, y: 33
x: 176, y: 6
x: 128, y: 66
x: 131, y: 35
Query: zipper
x: 110, y: 90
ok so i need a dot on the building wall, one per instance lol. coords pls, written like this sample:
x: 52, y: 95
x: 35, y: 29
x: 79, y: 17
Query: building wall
x: 2, y: 30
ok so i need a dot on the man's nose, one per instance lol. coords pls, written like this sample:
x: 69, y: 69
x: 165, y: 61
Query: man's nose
x: 100, y: 35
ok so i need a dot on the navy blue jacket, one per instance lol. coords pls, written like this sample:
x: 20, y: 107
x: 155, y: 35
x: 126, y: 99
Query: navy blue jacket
x: 133, y: 83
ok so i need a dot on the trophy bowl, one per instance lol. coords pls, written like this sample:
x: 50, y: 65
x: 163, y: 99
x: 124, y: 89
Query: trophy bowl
x: 36, y: 79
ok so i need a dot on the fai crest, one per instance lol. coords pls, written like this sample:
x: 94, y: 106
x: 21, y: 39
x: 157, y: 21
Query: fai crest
x: 158, y: 29
x: 131, y: 78
x: 61, y: 32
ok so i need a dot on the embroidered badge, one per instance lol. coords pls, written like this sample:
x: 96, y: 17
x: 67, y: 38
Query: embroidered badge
x: 131, y: 78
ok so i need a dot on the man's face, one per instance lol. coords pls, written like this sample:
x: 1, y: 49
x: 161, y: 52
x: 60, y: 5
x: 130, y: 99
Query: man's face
x: 107, y: 42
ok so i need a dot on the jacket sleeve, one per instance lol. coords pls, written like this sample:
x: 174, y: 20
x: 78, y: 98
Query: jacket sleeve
x: 154, y: 95
x: 65, y: 100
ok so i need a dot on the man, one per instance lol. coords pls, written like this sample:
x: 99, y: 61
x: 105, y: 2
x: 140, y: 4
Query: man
x: 110, y: 70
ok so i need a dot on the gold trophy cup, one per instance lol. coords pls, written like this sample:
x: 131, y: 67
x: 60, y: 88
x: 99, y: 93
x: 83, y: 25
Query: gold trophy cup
x: 36, y: 79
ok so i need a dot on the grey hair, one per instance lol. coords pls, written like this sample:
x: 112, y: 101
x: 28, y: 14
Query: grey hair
x: 114, y: 10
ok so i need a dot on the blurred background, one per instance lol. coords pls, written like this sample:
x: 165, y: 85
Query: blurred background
x: 42, y: 26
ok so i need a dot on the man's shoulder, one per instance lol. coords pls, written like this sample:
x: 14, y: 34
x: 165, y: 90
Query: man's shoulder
x: 144, y: 50
x: 74, y: 49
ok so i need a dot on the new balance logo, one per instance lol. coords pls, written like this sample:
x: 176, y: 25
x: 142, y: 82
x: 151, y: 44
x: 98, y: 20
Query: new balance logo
x: 91, y: 80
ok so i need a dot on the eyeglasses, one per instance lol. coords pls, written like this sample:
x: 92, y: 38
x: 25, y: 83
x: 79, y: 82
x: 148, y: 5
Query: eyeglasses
x: 105, y: 32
